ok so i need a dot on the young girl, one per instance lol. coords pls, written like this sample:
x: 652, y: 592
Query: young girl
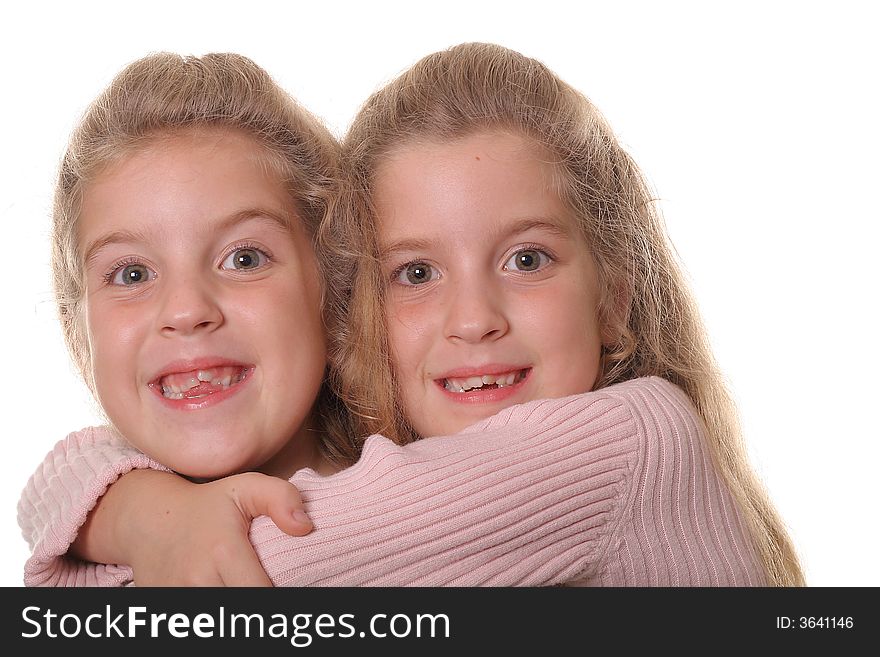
x: 185, y: 213
x: 517, y: 256
x: 509, y: 235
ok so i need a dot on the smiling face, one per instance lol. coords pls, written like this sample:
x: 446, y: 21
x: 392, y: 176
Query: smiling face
x: 492, y: 293
x: 203, y: 306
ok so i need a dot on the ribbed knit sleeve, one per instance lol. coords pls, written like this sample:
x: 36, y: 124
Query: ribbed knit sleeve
x: 684, y: 528
x: 58, y: 498
x: 534, y: 495
x: 613, y: 487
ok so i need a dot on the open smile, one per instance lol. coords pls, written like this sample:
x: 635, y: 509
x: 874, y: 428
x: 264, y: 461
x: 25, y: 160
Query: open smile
x: 471, y: 387
x: 196, y: 384
x: 193, y: 386
x: 462, y: 385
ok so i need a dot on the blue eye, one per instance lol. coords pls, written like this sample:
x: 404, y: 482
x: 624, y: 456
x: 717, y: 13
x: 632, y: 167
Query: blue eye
x: 244, y: 259
x: 131, y: 275
x: 417, y: 273
x: 527, y: 260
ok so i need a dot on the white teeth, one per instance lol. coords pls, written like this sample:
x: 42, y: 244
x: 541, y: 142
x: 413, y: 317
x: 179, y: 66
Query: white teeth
x: 172, y: 388
x: 177, y: 389
x: 171, y: 392
x: 474, y: 382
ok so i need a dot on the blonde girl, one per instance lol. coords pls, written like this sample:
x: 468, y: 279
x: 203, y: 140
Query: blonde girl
x: 185, y: 214
x: 651, y: 323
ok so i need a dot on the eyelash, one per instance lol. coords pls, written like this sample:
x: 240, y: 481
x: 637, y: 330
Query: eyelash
x: 132, y: 260
x: 395, y: 275
x: 120, y: 264
x: 551, y: 258
x: 250, y: 246
x: 531, y: 247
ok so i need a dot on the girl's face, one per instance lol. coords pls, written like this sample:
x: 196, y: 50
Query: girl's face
x: 492, y: 293
x: 203, y: 306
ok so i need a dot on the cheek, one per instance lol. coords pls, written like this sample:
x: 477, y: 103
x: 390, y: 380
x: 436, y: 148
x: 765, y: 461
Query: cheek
x: 409, y: 336
x: 113, y: 334
x: 292, y: 316
x: 565, y: 328
x: 558, y: 312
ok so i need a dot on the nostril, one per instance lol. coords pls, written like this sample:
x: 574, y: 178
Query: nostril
x: 188, y: 325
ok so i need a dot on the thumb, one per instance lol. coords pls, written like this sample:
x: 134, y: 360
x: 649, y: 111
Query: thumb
x: 262, y: 495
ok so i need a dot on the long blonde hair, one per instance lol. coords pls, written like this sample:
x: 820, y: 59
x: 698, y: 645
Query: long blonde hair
x: 164, y: 93
x: 645, y: 299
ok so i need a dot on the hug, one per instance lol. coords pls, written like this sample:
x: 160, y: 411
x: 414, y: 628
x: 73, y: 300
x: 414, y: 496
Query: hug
x: 454, y: 349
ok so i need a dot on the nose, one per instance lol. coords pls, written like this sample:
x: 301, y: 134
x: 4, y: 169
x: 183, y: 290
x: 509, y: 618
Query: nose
x: 476, y: 313
x: 188, y: 308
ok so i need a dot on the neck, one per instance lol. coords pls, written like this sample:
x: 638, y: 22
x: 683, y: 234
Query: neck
x: 301, y: 451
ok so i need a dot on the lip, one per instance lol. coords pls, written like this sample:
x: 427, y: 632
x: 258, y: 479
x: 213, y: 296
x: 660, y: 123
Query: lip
x: 203, y: 363
x: 491, y: 396
x: 489, y: 368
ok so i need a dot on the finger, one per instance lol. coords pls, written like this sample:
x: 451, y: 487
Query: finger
x: 288, y: 511
x: 276, y: 498
x: 290, y: 517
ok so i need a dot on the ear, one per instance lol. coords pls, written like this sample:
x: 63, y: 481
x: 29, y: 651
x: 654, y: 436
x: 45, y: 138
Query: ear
x: 615, y: 317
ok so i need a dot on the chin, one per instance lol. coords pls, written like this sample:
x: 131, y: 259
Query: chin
x: 203, y: 469
x: 198, y: 458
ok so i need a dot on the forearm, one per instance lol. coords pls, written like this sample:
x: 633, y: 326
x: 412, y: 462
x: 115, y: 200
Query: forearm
x: 58, y: 498
x: 530, y: 497
x: 97, y: 513
x: 116, y: 525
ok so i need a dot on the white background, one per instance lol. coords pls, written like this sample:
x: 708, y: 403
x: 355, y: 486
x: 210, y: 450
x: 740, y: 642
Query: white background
x: 757, y: 125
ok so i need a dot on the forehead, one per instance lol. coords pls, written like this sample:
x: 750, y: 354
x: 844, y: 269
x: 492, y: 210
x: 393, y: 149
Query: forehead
x: 488, y: 154
x: 187, y: 153
x: 484, y: 178
x: 183, y: 180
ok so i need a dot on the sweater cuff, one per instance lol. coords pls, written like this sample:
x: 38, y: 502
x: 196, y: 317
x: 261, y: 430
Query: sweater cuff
x: 49, y: 564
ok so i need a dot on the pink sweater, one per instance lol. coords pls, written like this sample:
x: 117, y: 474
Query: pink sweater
x: 608, y: 488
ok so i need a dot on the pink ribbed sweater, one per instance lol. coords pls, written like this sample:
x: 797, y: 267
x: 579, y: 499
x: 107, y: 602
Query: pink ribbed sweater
x: 608, y: 488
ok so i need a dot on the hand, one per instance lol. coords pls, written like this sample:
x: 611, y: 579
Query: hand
x: 176, y: 533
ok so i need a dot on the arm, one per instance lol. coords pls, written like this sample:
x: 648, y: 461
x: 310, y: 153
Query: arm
x: 177, y: 533
x: 58, y: 498
x: 532, y: 496
x: 610, y: 488
x: 169, y: 530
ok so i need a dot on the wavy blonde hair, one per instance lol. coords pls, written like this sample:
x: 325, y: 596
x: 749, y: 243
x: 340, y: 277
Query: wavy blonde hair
x: 645, y: 301
x: 165, y: 93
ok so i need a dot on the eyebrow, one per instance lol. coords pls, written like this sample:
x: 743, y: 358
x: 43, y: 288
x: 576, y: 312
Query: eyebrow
x: 546, y: 224
x: 280, y: 219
